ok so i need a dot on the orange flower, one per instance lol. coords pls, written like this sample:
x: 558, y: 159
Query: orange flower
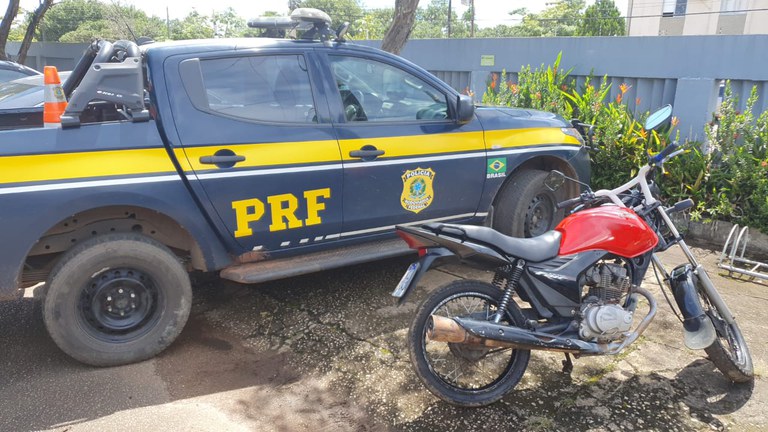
x: 624, y: 87
x: 643, y: 133
x: 514, y: 88
x: 675, y: 121
x: 619, y: 97
x: 493, y: 85
x: 764, y: 164
x: 637, y: 101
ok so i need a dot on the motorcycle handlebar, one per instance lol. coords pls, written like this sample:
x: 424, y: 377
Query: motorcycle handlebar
x: 569, y: 203
x: 666, y: 152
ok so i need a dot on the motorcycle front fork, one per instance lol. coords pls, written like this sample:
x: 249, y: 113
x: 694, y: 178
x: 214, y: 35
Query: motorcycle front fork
x: 698, y: 269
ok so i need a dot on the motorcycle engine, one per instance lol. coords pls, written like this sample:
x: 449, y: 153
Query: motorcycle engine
x: 603, y: 317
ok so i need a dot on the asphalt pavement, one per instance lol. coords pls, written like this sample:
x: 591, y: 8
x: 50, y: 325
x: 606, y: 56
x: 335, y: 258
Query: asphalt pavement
x: 327, y: 352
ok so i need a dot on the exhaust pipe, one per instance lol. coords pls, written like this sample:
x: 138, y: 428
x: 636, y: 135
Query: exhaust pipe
x: 489, y: 334
x: 442, y: 329
x: 465, y: 331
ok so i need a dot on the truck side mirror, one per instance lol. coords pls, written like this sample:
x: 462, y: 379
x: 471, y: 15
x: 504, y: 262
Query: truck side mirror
x: 465, y: 109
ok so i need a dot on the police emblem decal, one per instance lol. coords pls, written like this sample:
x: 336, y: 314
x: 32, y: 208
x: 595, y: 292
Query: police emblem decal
x: 417, y: 189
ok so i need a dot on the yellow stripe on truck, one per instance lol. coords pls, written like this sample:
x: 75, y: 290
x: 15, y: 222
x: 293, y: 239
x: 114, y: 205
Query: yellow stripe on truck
x: 415, y: 145
x: 107, y: 163
x: 268, y: 154
x: 507, y: 138
x: 66, y: 166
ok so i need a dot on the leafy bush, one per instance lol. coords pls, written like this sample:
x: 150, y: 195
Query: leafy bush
x: 728, y: 181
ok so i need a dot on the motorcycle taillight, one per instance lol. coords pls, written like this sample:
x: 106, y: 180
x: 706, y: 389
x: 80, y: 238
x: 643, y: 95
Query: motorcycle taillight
x: 414, y: 242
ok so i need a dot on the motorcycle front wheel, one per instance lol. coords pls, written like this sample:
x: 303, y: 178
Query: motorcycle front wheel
x: 461, y: 374
x: 729, y: 351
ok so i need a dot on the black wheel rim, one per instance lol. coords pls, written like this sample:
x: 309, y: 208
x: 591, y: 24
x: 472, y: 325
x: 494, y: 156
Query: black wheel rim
x: 462, y: 367
x: 540, y: 215
x: 728, y: 336
x: 119, y: 305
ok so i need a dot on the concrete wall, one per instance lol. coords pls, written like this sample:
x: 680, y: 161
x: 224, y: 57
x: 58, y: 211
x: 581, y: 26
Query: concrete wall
x: 63, y: 56
x: 684, y: 70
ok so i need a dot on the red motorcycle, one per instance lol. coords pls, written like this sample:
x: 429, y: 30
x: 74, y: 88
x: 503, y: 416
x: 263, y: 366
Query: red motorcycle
x: 470, y: 342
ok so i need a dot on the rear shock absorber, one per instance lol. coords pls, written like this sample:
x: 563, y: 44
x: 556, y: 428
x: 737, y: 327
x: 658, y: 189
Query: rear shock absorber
x: 509, y: 289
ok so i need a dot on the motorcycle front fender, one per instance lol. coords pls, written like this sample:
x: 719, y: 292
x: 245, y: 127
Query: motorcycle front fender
x: 699, y: 332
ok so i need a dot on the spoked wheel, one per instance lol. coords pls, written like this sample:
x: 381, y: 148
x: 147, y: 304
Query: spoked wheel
x: 461, y: 374
x: 729, y: 352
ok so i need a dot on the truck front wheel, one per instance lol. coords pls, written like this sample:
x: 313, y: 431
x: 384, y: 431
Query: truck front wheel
x: 525, y: 207
x: 116, y: 299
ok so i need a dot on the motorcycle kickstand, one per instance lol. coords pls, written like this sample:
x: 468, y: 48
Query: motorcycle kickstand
x: 567, y: 364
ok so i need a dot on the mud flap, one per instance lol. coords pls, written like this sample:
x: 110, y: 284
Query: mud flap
x: 416, y: 271
x: 699, y: 333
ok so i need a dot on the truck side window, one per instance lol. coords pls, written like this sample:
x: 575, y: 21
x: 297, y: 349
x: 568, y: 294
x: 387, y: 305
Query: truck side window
x: 377, y: 92
x: 270, y: 88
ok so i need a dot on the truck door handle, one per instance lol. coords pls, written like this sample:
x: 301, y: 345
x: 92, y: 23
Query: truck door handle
x: 222, y: 159
x: 215, y: 160
x: 366, y: 153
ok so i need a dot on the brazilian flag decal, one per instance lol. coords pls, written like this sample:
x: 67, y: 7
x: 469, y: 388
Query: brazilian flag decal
x: 497, y: 167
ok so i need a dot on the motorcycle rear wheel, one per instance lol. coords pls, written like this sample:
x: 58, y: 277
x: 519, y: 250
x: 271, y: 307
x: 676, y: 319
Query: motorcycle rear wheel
x: 465, y: 375
x: 729, y: 352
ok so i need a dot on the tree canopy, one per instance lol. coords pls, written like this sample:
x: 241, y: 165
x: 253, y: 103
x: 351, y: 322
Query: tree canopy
x: 602, y: 19
x: 85, y: 20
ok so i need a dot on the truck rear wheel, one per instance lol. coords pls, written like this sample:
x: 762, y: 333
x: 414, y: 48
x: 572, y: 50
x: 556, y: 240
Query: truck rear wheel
x: 116, y: 299
x: 526, y: 208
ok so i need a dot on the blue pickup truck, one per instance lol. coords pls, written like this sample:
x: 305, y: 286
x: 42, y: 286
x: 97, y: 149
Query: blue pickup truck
x: 255, y: 158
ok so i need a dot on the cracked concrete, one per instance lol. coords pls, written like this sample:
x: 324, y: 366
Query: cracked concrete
x: 327, y: 352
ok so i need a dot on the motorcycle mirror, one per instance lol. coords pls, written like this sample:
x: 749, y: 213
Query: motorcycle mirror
x: 554, y: 180
x: 658, y: 118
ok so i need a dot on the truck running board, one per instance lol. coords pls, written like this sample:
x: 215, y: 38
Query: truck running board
x: 268, y: 270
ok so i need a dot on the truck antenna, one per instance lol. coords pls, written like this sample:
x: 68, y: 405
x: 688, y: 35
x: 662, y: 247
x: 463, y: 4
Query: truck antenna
x: 122, y: 18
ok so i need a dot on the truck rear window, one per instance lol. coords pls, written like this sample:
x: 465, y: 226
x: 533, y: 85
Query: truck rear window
x: 272, y: 88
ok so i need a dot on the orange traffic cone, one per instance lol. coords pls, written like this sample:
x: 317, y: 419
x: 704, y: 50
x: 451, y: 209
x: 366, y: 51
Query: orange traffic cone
x: 55, y: 101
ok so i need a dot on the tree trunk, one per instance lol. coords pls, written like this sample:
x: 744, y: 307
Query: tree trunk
x: 402, y: 25
x: 5, y: 26
x: 36, y: 17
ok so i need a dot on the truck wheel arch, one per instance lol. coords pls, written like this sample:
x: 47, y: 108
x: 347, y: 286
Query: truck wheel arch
x: 105, y: 220
x: 540, y: 163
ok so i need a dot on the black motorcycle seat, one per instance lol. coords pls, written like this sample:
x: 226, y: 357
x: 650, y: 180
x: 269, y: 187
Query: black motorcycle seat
x: 536, y: 249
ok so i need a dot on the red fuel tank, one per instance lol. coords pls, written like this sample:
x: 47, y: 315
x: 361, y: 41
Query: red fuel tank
x: 614, y: 229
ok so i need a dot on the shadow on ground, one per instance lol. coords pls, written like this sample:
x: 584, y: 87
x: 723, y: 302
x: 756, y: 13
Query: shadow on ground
x: 327, y: 352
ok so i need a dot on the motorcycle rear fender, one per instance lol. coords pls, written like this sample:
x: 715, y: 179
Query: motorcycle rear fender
x: 425, y: 263
x: 699, y: 333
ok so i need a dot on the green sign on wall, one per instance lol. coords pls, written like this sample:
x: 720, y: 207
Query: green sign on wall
x: 487, y: 60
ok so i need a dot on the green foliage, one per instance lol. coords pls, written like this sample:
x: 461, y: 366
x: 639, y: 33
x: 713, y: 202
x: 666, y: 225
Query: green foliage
x: 602, y: 19
x: 432, y: 22
x: 735, y: 184
x: 66, y: 16
x: 560, y: 19
x: 375, y: 23
x: 729, y: 181
x: 540, y: 88
x: 193, y: 26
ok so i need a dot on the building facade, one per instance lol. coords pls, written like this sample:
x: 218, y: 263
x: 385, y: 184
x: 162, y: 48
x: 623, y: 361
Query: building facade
x: 697, y: 17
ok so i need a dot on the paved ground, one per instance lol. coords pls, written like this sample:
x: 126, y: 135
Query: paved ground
x: 327, y: 352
